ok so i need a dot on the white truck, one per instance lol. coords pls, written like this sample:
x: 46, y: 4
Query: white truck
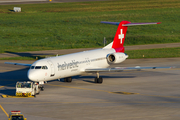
x: 27, y: 88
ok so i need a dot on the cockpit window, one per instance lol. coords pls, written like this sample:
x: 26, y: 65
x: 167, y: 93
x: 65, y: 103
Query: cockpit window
x: 32, y: 67
x: 44, y: 67
x: 38, y: 67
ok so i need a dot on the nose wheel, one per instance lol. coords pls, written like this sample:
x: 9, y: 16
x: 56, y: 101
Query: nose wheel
x: 41, y: 88
x: 98, y: 79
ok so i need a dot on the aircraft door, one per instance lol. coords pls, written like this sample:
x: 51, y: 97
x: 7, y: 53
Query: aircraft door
x: 52, y: 68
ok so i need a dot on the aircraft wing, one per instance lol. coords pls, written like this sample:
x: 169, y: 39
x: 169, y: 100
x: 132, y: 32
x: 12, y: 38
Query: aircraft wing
x: 22, y: 64
x: 120, y: 69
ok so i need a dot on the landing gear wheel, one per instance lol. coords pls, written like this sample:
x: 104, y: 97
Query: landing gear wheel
x: 65, y: 79
x: 42, y: 88
x: 98, y: 80
x: 69, y: 79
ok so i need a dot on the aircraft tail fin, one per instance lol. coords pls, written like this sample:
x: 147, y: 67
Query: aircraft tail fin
x: 118, y: 42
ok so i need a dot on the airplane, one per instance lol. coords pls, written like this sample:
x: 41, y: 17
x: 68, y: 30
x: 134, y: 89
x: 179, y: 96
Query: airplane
x: 92, y: 61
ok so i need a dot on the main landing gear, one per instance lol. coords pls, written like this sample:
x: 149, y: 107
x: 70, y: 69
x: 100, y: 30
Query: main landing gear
x: 68, y: 79
x: 98, y: 79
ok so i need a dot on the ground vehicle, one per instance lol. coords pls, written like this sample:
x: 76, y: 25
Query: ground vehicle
x: 16, y: 115
x: 26, y: 89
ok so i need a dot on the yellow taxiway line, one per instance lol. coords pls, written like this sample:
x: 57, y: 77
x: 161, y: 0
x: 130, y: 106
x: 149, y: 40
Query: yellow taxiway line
x: 4, y: 111
x: 78, y: 88
x: 117, y: 92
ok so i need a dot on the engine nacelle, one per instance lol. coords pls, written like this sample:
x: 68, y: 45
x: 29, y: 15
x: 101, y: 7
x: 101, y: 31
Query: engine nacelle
x: 116, y: 57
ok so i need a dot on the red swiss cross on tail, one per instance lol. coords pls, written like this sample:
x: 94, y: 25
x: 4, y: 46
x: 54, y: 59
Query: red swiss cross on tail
x: 120, y: 35
x: 119, y: 38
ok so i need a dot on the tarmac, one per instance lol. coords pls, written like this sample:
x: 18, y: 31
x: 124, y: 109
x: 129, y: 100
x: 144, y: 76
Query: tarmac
x: 134, y: 95
x: 146, y: 95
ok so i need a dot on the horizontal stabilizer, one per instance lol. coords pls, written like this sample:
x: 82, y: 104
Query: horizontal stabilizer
x: 130, y: 24
x: 112, y: 23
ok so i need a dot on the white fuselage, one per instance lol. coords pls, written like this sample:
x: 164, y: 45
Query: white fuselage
x: 69, y: 65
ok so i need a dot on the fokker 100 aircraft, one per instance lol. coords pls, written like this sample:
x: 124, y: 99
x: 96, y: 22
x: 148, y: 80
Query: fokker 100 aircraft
x: 92, y: 61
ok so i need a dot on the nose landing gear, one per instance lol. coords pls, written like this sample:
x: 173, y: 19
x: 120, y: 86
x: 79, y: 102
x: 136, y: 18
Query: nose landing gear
x: 41, y: 88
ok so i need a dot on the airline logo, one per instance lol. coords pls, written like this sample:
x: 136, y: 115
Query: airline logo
x: 121, y: 36
x: 66, y: 66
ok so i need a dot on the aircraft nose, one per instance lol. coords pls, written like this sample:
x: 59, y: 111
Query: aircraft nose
x: 31, y: 75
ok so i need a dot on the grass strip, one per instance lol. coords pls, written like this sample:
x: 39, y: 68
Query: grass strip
x: 154, y: 53
x: 133, y: 54
x: 77, y: 25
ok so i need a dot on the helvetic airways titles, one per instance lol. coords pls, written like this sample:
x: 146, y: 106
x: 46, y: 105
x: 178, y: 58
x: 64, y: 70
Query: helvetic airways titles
x: 65, y: 66
x: 74, y: 64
